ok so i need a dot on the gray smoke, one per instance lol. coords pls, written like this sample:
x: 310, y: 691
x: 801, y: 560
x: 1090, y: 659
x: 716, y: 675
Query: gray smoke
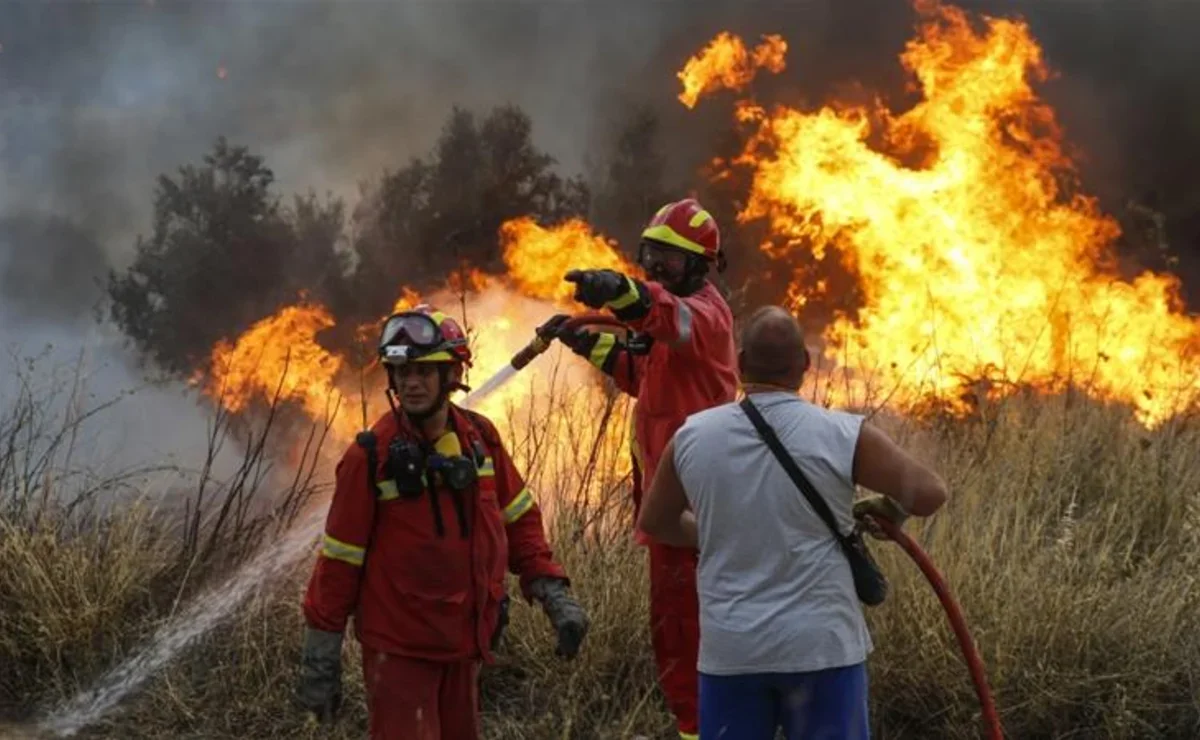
x: 98, y: 98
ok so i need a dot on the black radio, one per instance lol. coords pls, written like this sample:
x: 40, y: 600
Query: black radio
x: 405, y: 464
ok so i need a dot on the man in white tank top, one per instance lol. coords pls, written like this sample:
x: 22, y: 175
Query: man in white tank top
x: 783, y: 641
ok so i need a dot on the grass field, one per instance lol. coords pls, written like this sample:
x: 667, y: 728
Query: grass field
x: 1072, y: 541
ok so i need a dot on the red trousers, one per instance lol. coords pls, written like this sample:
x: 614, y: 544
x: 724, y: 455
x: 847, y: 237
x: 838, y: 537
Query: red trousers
x: 412, y: 699
x: 675, y: 631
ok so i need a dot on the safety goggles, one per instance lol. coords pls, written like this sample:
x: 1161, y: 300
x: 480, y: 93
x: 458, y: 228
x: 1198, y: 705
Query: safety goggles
x: 653, y: 254
x: 417, y: 330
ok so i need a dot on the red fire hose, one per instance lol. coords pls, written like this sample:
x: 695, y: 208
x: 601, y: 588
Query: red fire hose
x: 957, y: 623
x: 953, y: 612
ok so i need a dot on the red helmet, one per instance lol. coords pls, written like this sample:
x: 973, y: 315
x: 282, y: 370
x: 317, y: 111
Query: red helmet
x: 685, y: 225
x: 423, y: 334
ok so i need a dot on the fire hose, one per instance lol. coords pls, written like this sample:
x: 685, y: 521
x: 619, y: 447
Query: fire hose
x: 957, y: 622
x: 540, y: 344
x: 953, y: 613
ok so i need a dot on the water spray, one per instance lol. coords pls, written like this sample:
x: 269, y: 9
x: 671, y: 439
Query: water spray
x: 216, y: 604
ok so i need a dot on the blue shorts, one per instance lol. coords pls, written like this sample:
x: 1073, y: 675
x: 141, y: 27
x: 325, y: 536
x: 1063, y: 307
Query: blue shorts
x: 821, y: 705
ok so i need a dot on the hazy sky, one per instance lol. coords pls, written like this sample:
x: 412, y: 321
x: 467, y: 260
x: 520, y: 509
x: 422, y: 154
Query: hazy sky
x: 98, y: 98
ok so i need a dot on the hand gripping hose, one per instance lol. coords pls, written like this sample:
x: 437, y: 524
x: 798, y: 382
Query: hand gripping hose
x: 540, y: 345
x: 957, y: 623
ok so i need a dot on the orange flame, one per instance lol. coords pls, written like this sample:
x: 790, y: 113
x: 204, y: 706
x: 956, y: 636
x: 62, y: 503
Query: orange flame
x: 500, y: 318
x: 726, y: 63
x: 408, y: 299
x: 538, y: 257
x: 973, y: 261
x: 279, y: 353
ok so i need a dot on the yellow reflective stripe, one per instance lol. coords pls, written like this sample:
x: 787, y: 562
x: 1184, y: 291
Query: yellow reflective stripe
x: 699, y: 218
x: 604, y: 346
x: 628, y: 299
x: 388, y: 490
x: 435, y: 357
x: 337, y: 550
x: 666, y: 234
x: 518, y: 507
x: 488, y: 469
x: 688, y: 736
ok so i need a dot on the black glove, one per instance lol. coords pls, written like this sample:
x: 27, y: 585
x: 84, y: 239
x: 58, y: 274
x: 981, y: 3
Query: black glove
x: 579, y: 341
x: 320, y: 688
x: 597, y: 288
x: 565, y: 613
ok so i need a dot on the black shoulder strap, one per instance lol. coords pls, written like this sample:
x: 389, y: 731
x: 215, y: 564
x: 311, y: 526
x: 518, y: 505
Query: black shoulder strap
x: 366, y: 440
x: 481, y: 427
x: 789, y: 465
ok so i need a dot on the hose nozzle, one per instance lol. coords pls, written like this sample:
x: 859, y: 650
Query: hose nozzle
x: 531, y: 351
x: 541, y: 343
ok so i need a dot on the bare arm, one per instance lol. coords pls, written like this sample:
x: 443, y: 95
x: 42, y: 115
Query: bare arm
x: 882, y: 466
x: 664, y: 515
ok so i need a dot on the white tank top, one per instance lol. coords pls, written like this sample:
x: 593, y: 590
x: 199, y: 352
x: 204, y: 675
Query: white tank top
x: 775, y: 589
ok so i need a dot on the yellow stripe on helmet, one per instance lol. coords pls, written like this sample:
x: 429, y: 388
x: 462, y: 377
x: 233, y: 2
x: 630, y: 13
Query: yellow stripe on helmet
x: 667, y: 235
x: 441, y: 356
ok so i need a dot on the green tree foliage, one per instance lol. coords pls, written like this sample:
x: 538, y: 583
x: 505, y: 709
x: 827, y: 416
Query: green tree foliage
x: 427, y: 219
x: 223, y: 253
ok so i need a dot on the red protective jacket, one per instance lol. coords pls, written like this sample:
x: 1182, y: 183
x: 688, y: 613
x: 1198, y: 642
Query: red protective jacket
x: 411, y: 591
x: 691, y: 366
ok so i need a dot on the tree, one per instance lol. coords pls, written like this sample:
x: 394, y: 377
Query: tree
x: 632, y: 187
x: 223, y: 254
x: 427, y: 219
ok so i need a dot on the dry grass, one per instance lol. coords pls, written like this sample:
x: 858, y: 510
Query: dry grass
x: 1072, y: 542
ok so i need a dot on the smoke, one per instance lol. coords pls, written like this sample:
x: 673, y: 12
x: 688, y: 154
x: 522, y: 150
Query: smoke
x: 98, y: 98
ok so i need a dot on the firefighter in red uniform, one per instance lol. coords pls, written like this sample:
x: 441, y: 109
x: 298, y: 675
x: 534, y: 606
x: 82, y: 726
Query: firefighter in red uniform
x: 681, y: 360
x: 428, y: 513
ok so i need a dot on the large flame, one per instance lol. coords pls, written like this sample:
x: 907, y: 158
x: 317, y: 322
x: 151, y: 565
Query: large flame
x: 726, y: 63
x: 975, y: 263
x: 539, y: 257
x: 279, y: 355
x: 543, y: 411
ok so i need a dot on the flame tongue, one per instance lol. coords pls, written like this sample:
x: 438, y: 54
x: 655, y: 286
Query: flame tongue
x: 538, y: 257
x: 281, y: 352
x: 973, y: 262
x: 501, y: 315
x: 726, y: 64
